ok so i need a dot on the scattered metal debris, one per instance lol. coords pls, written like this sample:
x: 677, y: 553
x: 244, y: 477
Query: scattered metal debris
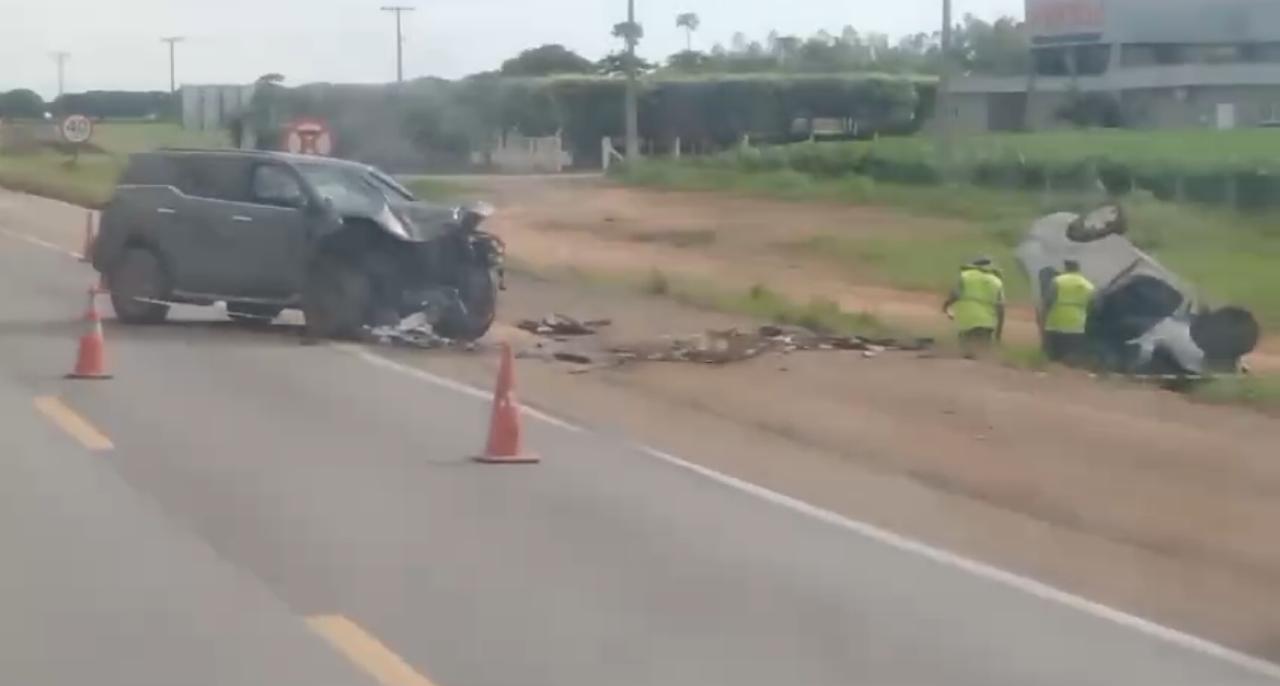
x: 415, y: 331
x: 562, y: 325
x: 732, y: 345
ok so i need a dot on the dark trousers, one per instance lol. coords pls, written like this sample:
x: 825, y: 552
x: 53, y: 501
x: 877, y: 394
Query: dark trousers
x: 1067, y: 348
x: 974, y: 342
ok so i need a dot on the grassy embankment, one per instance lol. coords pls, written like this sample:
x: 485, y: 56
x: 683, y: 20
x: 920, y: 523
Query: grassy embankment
x: 90, y: 180
x: 1233, y: 257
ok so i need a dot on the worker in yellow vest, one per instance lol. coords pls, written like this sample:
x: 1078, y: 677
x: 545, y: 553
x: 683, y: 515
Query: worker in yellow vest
x: 1067, y: 301
x: 976, y: 305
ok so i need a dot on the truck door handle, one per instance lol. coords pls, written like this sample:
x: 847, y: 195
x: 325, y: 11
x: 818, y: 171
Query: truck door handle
x: 241, y: 218
x: 166, y: 210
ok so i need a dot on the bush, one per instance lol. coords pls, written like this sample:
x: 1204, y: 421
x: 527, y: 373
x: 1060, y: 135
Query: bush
x: 1231, y: 168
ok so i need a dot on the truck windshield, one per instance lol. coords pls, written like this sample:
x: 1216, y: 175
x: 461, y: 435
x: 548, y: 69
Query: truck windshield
x: 351, y: 190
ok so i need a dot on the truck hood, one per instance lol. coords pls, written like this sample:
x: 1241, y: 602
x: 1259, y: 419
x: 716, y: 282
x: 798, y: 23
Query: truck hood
x: 418, y: 222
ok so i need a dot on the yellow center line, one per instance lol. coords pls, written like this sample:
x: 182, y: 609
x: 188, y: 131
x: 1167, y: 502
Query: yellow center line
x: 366, y: 651
x: 69, y: 421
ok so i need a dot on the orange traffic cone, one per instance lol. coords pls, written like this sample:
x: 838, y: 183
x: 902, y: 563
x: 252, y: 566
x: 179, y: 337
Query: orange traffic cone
x: 91, y: 359
x: 504, y: 425
x: 87, y: 250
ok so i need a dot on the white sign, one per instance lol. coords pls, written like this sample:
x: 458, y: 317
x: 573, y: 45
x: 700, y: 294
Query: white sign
x: 308, y: 137
x: 76, y: 128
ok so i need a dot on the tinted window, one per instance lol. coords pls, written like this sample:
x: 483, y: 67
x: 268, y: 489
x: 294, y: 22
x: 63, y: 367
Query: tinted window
x: 148, y: 170
x: 219, y: 177
x: 276, y: 185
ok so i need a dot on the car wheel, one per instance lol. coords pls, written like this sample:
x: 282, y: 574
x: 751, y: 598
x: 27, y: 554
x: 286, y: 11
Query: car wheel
x: 335, y: 299
x: 137, y: 281
x: 478, y: 292
x: 254, y: 314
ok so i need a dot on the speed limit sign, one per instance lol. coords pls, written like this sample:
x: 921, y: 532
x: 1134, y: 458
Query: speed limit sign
x: 308, y: 137
x: 76, y: 128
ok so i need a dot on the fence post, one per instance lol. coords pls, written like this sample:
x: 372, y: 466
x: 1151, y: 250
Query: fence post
x: 1180, y: 188
x: 675, y: 151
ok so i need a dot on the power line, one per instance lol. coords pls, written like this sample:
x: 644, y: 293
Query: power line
x: 173, y: 72
x: 61, y: 58
x: 399, y: 11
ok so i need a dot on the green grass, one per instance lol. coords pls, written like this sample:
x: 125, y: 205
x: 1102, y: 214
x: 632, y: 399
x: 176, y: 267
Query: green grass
x: 1232, y: 257
x: 1259, y: 391
x: 439, y: 190
x: 758, y: 302
x: 89, y: 183
x: 91, y: 180
x: 123, y: 138
x: 914, y: 264
x: 762, y: 303
x: 1190, y: 149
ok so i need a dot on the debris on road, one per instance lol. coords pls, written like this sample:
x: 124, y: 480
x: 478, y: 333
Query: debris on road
x: 415, y: 331
x: 732, y: 345
x: 562, y: 325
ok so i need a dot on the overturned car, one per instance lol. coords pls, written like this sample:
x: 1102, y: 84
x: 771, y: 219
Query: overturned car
x: 1144, y: 319
x: 265, y: 231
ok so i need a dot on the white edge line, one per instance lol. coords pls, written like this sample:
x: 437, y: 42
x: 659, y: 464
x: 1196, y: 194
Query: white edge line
x: 465, y: 389
x: 979, y: 569
x: 41, y: 243
x: 1027, y: 585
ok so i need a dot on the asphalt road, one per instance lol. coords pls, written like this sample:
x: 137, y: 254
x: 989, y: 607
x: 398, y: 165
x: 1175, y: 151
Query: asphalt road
x: 234, y: 508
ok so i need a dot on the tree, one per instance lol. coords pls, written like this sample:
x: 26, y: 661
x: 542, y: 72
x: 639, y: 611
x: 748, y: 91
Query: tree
x: 689, y: 62
x: 628, y: 31
x: 616, y: 63
x: 786, y: 47
x: 21, y: 104
x: 547, y: 60
x: 690, y: 22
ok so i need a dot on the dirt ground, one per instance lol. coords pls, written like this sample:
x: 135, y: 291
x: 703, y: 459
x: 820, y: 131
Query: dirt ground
x: 733, y: 241
x: 1129, y: 496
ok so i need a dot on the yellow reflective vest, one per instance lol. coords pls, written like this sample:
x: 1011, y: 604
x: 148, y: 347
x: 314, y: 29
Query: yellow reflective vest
x: 1069, y: 311
x: 980, y: 294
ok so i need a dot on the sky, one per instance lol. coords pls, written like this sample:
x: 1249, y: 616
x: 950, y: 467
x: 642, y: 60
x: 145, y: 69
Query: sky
x: 116, y: 45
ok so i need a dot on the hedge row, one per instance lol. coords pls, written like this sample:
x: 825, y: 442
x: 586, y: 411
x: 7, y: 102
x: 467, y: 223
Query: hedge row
x: 1182, y: 171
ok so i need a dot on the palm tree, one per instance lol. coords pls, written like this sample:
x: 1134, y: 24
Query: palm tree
x: 690, y: 22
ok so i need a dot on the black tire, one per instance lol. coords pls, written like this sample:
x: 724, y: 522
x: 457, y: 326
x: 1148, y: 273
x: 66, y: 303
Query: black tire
x: 478, y: 292
x: 335, y: 300
x: 137, y: 279
x: 253, y: 314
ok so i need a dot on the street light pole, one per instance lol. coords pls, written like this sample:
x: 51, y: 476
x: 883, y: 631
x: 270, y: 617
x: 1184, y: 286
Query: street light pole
x: 632, y: 100
x: 61, y: 58
x: 173, y: 70
x: 399, y: 11
x: 942, y: 115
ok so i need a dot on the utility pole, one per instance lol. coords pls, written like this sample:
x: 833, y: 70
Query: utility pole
x: 942, y: 107
x: 399, y: 11
x: 173, y: 72
x: 61, y: 58
x: 632, y: 103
